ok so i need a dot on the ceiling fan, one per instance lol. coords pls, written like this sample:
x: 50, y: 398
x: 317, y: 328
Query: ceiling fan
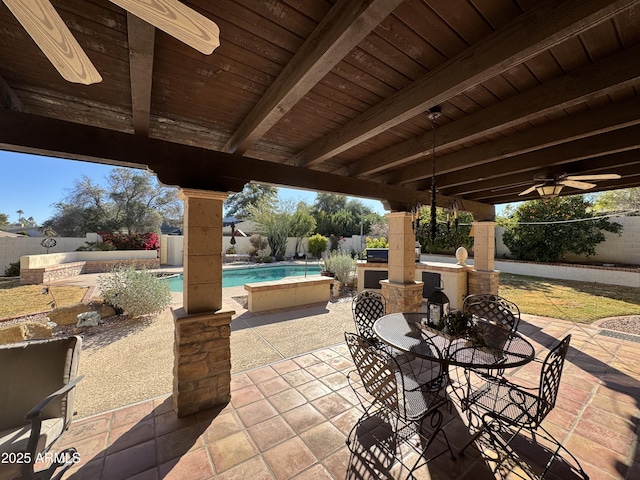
x: 550, y: 187
x: 48, y: 30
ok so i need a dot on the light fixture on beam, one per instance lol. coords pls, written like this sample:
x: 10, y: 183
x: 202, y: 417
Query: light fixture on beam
x: 549, y: 191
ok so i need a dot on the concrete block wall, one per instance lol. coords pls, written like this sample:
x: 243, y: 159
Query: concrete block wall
x: 12, y: 248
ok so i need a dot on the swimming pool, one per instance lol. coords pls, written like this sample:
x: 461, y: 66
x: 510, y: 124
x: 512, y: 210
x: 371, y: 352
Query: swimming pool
x: 234, y: 277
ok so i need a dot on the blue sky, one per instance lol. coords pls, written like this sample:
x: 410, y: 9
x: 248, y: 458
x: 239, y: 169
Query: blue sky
x: 33, y: 184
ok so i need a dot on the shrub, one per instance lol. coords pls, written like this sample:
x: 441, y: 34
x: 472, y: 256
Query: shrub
x: 132, y: 241
x: 317, y: 245
x: 374, y: 243
x: 342, y: 265
x: 135, y: 292
x: 13, y: 270
x: 96, y: 246
x: 545, y: 230
x: 258, y: 244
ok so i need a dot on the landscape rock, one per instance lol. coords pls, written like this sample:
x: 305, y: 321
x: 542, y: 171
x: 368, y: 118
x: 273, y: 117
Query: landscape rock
x: 24, y: 331
x: 88, y: 319
x: 68, y: 315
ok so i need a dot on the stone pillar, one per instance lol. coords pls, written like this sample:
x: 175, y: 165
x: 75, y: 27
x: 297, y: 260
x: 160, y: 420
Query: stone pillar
x: 202, y: 353
x: 402, y: 291
x: 483, y: 278
x: 202, y: 254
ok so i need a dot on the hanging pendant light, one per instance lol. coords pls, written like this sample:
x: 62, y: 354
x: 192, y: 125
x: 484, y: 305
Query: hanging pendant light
x: 433, y: 114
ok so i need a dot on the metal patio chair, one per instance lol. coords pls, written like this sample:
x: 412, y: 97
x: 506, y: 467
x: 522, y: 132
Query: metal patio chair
x: 503, y: 407
x: 396, y: 405
x: 493, y: 308
x: 367, y: 307
x: 36, y: 405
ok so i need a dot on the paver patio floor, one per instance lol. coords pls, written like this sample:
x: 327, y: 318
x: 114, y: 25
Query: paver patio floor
x: 289, y: 419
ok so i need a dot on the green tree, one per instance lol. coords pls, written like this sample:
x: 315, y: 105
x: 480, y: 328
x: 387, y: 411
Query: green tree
x: 335, y: 215
x: 131, y: 199
x: 329, y: 203
x: 618, y: 200
x: 4, y: 219
x: 302, y: 224
x: 546, y: 230
x: 239, y: 204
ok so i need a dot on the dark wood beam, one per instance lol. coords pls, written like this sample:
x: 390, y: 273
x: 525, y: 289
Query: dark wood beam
x: 8, y: 98
x: 564, y: 92
x: 549, y: 159
x: 183, y: 165
x: 346, y: 24
x: 141, y: 47
x: 620, y: 163
x: 531, y: 33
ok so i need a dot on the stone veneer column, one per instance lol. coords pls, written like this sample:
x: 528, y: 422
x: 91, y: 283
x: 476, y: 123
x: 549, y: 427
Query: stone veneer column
x: 402, y: 292
x: 483, y: 278
x: 202, y: 354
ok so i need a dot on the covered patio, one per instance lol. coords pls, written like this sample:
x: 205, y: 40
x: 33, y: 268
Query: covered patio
x: 289, y: 419
x: 536, y: 97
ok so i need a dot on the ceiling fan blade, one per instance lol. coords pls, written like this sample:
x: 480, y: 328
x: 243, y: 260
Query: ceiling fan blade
x: 578, y: 185
x: 178, y: 20
x: 600, y: 176
x: 48, y: 30
x: 530, y: 189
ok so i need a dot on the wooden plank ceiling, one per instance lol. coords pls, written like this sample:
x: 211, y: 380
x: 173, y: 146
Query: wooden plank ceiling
x: 332, y: 96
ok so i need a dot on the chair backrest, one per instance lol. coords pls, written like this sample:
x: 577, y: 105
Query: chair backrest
x: 367, y: 307
x: 375, y: 370
x: 32, y: 370
x: 493, y: 308
x: 550, y: 378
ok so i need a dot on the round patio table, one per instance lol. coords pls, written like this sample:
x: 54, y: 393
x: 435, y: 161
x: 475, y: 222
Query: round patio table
x: 406, y: 332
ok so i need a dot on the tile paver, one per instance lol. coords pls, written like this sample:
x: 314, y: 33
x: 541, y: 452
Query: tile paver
x: 290, y: 419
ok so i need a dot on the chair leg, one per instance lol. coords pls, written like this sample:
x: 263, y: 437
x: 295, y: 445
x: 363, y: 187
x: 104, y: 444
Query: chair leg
x: 577, y: 468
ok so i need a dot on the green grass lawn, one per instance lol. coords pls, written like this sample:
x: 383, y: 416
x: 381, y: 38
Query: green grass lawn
x: 581, y: 302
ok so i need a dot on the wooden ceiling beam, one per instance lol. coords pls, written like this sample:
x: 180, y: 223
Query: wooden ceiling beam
x: 8, y: 98
x: 183, y: 165
x: 564, y: 92
x: 528, y: 35
x: 543, y: 160
x: 141, y: 48
x: 346, y: 24
x: 621, y: 163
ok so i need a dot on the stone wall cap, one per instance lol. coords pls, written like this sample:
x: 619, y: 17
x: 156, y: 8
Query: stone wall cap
x: 288, y: 282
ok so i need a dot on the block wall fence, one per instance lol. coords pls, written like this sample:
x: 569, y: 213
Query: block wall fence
x: 616, y: 249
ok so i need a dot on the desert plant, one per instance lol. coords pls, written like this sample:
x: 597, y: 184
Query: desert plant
x: 317, y: 245
x: 342, y: 265
x: 13, y: 270
x: 135, y: 292
x: 258, y: 244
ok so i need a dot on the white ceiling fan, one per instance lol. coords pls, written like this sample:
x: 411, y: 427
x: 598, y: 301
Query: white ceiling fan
x: 48, y: 30
x: 549, y: 187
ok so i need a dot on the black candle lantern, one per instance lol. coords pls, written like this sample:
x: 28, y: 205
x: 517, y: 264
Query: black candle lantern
x: 437, y: 306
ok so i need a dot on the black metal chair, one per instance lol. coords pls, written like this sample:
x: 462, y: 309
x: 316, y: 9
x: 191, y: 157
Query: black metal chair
x: 367, y: 307
x: 396, y: 404
x: 506, y: 409
x: 493, y: 308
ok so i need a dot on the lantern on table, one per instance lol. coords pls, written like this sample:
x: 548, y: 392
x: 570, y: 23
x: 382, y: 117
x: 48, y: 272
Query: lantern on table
x: 437, y: 306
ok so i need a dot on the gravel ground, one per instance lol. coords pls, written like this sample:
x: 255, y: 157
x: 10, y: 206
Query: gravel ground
x: 622, y: 324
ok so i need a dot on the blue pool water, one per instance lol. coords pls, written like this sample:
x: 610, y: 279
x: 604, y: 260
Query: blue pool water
x: 234, y: 277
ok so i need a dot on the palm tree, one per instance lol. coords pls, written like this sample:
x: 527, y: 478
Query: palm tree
x: 20, y: 217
